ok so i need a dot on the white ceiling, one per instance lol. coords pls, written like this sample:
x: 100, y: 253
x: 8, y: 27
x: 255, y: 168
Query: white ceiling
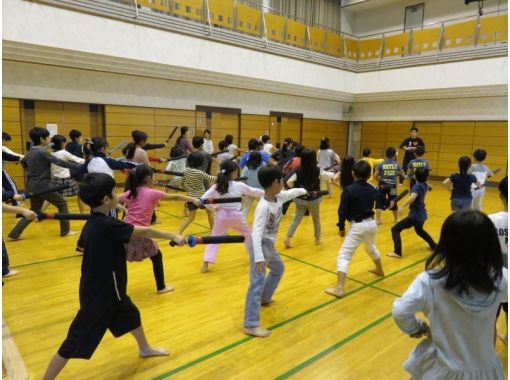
x: 356, y: 6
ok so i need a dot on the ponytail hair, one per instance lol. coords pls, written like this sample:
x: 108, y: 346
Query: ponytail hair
x: 137, y: 178
x: 464, y: 164
x: 58, y: 142
x: 129, y: 150
x: 227, y: 167
x: 93, y: 146
x: 254, y: 160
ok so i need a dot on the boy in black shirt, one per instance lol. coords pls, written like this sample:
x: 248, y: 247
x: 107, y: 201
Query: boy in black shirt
x: 356, y: 206
x: 104, y: 303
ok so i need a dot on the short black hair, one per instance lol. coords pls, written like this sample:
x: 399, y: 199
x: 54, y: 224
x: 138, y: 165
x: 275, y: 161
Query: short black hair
x: 195, y: 160
x: 419, y: 151
x: 390, y: 152
x: 197, y: 142
x: 221, y: 145
x: 480, y: 154
x: 38, y: 133
x: 422, y: 174
x: 253, y: 144
x: 265, y: 139
x: 413, y: 129
x: 362, y: 170
x: 367, y: 152
x: 94, y: 187
x: 503, y: 188
x: 468, y: 254
x: 268, y: 174
x: 6, y: 136
x: 74, y: 134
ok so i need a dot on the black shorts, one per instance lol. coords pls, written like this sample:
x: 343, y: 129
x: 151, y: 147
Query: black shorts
x: 385, y: 194
x: 191, y: 206
x: 90, y: 325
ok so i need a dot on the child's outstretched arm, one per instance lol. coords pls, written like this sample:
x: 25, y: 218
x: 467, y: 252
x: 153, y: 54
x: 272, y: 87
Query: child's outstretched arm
x: 148, y: 232
x: 180, y: 197
x: 408, y: 201
x: 29, y: 214
x: 447, y: 184
x: 405, y: 308
x: 291, y: 194
x: 251, y: 191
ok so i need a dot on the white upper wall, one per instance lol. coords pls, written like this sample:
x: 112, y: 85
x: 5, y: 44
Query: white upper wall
x: 56, y: 54
x: 391, y: 17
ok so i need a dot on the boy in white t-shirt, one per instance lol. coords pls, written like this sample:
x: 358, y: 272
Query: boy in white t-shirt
x: 500, y: 220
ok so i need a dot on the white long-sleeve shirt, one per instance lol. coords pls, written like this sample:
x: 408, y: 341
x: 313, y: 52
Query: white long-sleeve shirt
x: 7, y: 150
x: 64, y: 155
x: 267, y: 219
x: 235, y: 189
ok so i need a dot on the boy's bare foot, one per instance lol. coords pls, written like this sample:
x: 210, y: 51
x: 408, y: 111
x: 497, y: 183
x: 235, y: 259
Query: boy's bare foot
x: 393, y: 254
x: 377, y: 272
x: 10, y: 273
x: 257, y: 331
x: 268, y: 303
x: 286, y: 242
x: 70, y: 233
x: 335, y: 292
x: 317, y: 241
x: 205, y: 267
x: 166, y: 289
x: 503, y: 338
x: 152, y: 351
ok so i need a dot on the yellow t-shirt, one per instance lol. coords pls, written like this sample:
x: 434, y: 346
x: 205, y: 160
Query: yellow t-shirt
x: 373, y: 162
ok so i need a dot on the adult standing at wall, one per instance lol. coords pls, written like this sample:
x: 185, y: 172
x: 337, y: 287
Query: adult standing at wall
x: 183, y: 143
x: 409, y: 145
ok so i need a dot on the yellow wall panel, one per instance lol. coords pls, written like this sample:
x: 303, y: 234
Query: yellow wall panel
x: 460, y: 34
x: 426, y: 40
x: 222, y: 13
x: 334, y: 44
x: 248, y: 19
x: 485, y: 141
x: 296, y: 32
x: 275, y: 26
x: 369, y: 49
x: 130, y: 120
x: 396, y: 45
x: 350, y: 48
x: 317, y: 38
x: 493, y: 29
x: 193, y: 9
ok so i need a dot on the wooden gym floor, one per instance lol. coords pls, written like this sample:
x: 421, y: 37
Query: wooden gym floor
x: 314, y: 336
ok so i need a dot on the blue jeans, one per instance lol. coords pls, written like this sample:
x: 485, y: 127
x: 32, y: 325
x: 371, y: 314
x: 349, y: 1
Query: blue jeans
x: 262, y: 288
x: 461, y: 203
